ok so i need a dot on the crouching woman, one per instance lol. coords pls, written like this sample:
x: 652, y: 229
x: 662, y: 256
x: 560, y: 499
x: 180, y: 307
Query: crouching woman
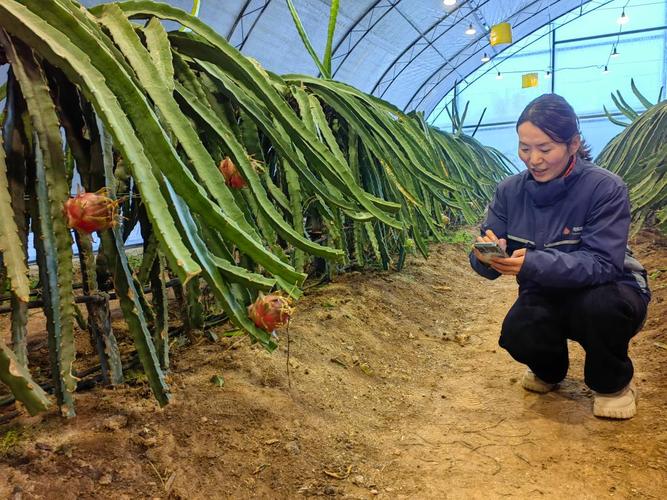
x: 564, y: 223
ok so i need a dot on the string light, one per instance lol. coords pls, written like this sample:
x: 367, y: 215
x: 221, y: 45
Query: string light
x: 471, y: 30
x: 605, y: 71
x: 615, y: 53
x: 449, y: 3
x: 624, y: 19
x: 485, y: 58
x: 547, y: 73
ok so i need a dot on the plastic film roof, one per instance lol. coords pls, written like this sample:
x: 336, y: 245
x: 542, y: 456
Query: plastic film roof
x: 409, y: 52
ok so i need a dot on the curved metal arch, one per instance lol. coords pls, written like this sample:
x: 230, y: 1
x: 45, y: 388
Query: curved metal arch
x: 457, y: 14
x: 354, y: 24
x: 349, y: 34
x: 453, y: 63
x: 251, y: 9
x: 549, y: 33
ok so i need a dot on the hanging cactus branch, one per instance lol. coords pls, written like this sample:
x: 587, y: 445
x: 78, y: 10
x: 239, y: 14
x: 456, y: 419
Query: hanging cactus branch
x: 639, y: 155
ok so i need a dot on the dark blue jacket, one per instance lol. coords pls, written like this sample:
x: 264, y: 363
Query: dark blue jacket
x: 575, y: 229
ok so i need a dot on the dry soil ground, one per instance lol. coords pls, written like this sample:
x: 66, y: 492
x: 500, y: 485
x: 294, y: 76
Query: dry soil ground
x: 396, y: 389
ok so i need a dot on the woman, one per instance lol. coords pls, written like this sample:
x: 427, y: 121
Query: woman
x: 564, y: 223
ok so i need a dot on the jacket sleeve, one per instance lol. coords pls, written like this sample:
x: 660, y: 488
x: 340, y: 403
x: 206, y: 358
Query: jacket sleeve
x: 496, y: 220
x: 599, y: 258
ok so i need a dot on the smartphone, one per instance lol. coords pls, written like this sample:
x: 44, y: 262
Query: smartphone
x: 490, y: 248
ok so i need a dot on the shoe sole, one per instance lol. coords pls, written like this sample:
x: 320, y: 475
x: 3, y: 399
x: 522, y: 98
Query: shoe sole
x: 538, y: 388
x: 623, y: 413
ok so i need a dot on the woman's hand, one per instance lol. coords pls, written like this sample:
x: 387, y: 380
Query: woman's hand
x: 489, y: 237
x: 511, y: 265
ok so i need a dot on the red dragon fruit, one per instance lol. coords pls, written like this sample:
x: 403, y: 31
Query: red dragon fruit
x: 88, y: 212
x: 269, y: 312
x: 232, y: 175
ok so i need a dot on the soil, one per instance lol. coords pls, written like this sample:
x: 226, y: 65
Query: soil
x: 396, y: 388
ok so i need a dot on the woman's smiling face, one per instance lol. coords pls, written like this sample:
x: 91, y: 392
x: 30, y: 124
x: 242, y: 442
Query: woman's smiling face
x: 545, y: 158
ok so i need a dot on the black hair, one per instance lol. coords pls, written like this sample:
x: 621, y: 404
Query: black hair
x: 554, y: 116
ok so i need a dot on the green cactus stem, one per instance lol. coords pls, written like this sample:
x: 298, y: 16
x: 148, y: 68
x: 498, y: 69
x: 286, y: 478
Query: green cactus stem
x: 18, y: 379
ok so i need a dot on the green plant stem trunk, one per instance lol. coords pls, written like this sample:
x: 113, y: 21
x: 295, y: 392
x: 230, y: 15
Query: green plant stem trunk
x: 99, y: 315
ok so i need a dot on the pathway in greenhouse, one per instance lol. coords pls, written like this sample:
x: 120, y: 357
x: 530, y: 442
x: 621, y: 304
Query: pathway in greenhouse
x: 396, y: 388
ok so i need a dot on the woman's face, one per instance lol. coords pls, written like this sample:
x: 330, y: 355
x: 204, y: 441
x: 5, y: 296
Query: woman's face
x: 545, y: 158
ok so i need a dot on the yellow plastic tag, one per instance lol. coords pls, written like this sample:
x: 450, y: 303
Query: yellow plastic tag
x: 501, y: 33
x: 528, y: 80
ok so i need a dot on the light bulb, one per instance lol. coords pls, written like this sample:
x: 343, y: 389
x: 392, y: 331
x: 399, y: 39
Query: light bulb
x: 548, y: 74
x: 605, y: 71
x: 623, y: 19
x: 615, y: 53
x: 485, y: 57
x: 449, y: 3
x: 471, y: 30
x: 499, y: 76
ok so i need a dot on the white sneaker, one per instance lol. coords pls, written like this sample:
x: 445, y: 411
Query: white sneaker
x: 532, y: 382
x: 620, y: 405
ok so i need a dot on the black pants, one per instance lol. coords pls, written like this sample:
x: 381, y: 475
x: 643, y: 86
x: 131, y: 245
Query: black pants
x: 602, y: 319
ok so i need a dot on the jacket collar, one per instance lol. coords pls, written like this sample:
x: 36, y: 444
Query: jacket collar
x: 544, y: 194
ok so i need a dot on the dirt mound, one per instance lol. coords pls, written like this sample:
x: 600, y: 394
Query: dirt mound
x: 394, y: 388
